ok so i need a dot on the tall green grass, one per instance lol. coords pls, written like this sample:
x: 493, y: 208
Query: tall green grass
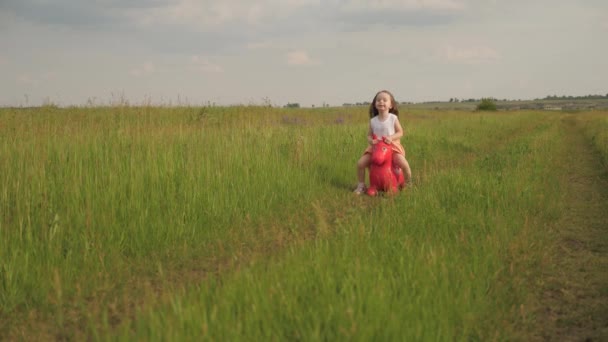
x: 93, y: 195
x: 433, y: 264
x: 595, y: 125
x: 239, y: 223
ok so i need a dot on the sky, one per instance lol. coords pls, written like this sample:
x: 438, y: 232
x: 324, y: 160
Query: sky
x: 311, y: 52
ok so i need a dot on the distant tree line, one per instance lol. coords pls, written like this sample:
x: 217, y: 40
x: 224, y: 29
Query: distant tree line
x: 366, y: 103
x: 297, y: 105
x: 455, y: 99
x: 486, y: 100
x: 570, y: 97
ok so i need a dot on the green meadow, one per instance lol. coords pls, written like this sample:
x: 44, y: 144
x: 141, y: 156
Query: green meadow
x: 239, y: 223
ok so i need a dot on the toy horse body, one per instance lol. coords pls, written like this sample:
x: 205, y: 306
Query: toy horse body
x: 383, y: 175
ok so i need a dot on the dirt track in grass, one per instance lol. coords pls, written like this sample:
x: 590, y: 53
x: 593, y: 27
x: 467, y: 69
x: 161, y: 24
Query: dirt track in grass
x: 572, y: 293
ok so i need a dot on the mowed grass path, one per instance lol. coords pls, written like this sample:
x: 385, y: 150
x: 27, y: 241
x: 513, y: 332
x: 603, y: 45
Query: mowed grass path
x: 239, y: 224
x: 572, y: 283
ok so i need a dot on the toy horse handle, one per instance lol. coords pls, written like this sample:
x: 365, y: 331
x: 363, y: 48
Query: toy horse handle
x: 375, y: 137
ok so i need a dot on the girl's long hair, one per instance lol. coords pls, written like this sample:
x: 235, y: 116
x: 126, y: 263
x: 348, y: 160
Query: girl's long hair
x: 372, y: 107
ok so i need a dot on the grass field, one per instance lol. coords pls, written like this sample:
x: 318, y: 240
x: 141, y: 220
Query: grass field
x: 238, y: 223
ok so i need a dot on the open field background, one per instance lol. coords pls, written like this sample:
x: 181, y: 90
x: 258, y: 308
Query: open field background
x: 558, y: 104
x: 238, y: 223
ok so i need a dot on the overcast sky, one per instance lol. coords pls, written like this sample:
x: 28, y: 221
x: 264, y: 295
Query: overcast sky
x: 70, y: 52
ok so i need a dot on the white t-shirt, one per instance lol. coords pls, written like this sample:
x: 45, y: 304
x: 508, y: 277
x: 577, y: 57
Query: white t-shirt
x: 383, y: 128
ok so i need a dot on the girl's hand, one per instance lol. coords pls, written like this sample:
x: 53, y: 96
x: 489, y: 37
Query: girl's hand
x: 387, y: 140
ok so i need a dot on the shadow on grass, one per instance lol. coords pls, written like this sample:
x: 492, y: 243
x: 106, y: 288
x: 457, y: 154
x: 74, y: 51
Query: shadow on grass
x: 341, y: 184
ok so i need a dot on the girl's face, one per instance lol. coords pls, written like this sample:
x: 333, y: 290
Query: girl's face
x: 383, y: 102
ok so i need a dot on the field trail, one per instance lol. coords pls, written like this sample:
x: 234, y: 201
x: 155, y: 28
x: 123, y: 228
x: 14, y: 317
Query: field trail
x: 573, y: 300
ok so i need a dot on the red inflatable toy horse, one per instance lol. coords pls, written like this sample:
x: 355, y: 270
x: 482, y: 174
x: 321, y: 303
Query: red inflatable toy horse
x: 383, y: 175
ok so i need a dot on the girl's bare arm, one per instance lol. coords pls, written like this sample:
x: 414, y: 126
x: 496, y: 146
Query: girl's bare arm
x: 398, y: 131
x: 370, y: 133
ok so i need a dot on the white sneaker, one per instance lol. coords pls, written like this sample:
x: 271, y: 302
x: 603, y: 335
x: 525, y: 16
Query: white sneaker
x: 360, y: 189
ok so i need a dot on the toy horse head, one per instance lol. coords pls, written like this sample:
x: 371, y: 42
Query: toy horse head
x: 381, y: 153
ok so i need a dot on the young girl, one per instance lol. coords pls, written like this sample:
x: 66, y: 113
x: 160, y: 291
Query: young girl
x: 384, y: 122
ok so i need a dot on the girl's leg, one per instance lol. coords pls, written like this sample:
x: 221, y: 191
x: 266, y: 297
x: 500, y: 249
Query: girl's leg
x: 362, y: 164
x: 400, y: 161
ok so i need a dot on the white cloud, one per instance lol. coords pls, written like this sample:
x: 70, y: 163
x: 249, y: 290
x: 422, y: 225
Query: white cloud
x: 145, y: 69
x: 522, y: 83
x: 300, y: 58
x: 209, y: 15
x: 258, y: 45
x: 203, y: 64
x: 603, y: 23
x: 402, y: 5
x: 469, y: 55
x: 28, y: 79
x: 392, y: 51
x: 204, y: 14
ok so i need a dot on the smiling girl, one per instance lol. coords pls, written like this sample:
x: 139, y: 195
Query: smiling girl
x: 384, y: 124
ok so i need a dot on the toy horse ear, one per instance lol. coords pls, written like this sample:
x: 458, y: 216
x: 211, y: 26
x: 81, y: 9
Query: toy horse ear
x: 374, y: 136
